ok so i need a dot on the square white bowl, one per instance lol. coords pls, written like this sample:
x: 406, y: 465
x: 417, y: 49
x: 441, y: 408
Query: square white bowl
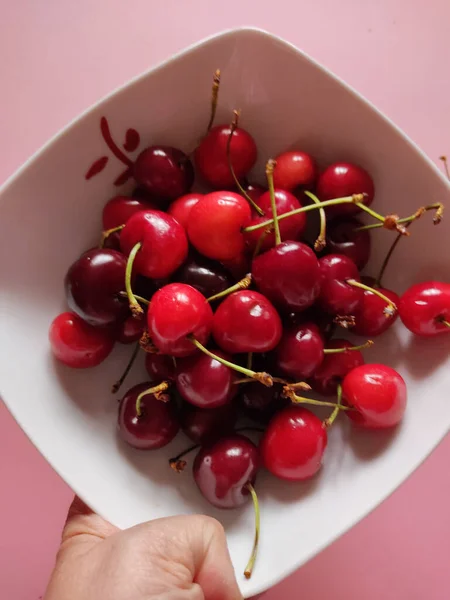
x: 49, y: 214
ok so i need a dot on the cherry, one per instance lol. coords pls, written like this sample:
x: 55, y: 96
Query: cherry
x: 378, y: 393
x: 261, y: 403
x: 246, y: 322
x: 294, y: 169
x: 300, y: 351
x: 342, y: 238
x: 177, y: 311
x: 204, y: 426
x: 205, y: 275
x: 112, y: 241
x: 344, y: 179
x: 290, y: 228
x: 180, y: 209
x: 337, y: 297
x: 425, y: 308
x: 160, y: 367
x: 224, y: 469
x: 119, y: 209
x: 371, y: 318
x: 239, y: 265
x: 335, y: 367
x: 293, y: 444
x: 78, y: 344
x: 93, y: 283
x: 131, y: 329
x: 163, y: 243
x: 216, y: 223
x: 254, y: 190
x: 146, y: 287
x: 157, y: 423
x: 211, y: 157
x: 288, y: 275
x: 164, y: 171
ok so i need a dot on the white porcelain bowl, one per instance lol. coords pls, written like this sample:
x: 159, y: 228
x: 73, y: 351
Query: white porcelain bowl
x: 49, y: 213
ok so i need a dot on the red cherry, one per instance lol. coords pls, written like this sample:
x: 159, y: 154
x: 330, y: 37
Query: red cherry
x: 344, y: 179
x: 337, y: 297
x: 131, y: 329
x: 204, y: 426
x: 425, y: 308
x: 378, y: 393
x: 180, y: 209
x: 157, y: 424
x: 176, y: 312
x: 163, y: 241
x: 288, y: 275
x: 160, y: 367
x: 293, y: 445
x: 78, y: 344
x: 223, y: 470
x: 119, y: 209
x: 335, y: 367
x: 164, y: 171
x: 371, y: 318
x: 261, y: 403
x: 343, y: 239
x: 211, y: 156
x: 294, y: 169
x: 300, y: 351
x: 216, y: 223
x: 246, y: 322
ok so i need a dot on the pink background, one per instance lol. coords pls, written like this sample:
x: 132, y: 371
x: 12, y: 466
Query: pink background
x: 60, y: 56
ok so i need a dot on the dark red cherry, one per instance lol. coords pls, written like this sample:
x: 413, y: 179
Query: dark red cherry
x: 205, y: 275
x: 343, y: 239
x: 131, y: 329
x: 344, y: 179
x: 204, y: 426
x: 288, y: 275
x: 177, y: 311
x: 294, y: 443
x: 93, y: 284
x: 223, y: 470
x: 314, y: 314
x: 337, y: 297
x: 371, y: 318
x: 294, y: 169
x: 211, y: 158
x: 78, y: 344
x: 335, y: 367
x: 238, y: 266
x: 246, y: 322
x: 425, y: 308
x: 300, y: 351
x: 254, y: 190
x: 160, y: 367
x: 119, y: 209
x: 145, y: 287
x: 112, y: 242
x: 378, y: 393
x: 164, y: 171
x: 216, y: 223
x: 291, y: 228
x: 180, y: 209
x: 163, y: 242
x: 260, y: 403
x: 157, y: 424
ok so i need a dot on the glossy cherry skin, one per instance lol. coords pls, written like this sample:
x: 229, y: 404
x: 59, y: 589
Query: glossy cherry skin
x: 164, y: 245
x: 119, y: 209
x: 293, y: 444
x: 424, y: 306
x: 206, y: 425
x: 300, y: 351
x: 254, y: 190
x: 78, y: 344
x: 160, y: 367
x: 180, y: 209
x: 294, y: 169
x: 130, y: 330
x: 93, y: 284
x: 288, y: 275
x: 176, y: 311
x: 157, y: 425
x: 344, y: 179
x: 211, y: 156
x: 343, y: 239
x: 370, y: 318
x: 260, y: 403
x: 246, y: 322
x: 379, y: 395
x: 223, y: 469
x: 238, y: 266
x: 337, y: 297
x: 207, y: 276
x: 335, y: 367
x: 216, y: 223
x: 164, y: 171
x: 291, y: 228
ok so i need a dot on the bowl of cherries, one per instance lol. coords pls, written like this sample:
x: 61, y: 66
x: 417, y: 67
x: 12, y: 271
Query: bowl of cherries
x: 231, y: 300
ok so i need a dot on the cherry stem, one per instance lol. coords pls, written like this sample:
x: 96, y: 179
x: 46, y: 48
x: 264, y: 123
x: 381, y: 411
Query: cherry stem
x: 249, y: 360
x: 387, y: 258
x: 147, y: 345
x: 270, y: 166
x: 367, y: 344
x: 116, y: 387
x: 320, y: 242
x: 289, y: 393
x: 251, y: 563
x: 233, y: 127
x: 156, y: 390
x: 443, y: 321
x: 108, y: 232
x: 299, y: 385
x: 140, y: 299
x: 176, y: 463
x: 260, y: 241
x: 444, y: 160
x: 263, y: 378
x: 135, y: 307
x: 331, y: 419
x: 214, y: 98
x: 243, y: 284
x: 437, y: 206
x: 355, y: 199
x: 391, y: 307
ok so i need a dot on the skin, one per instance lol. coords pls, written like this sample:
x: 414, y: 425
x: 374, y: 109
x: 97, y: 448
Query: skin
x: 176, y: 558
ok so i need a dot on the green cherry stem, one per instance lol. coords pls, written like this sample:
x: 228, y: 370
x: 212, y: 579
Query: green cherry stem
x: 289, y: 393
x: 135, y: 307
x: 444, y: 160
x: 243, y: 284
x: 271, y: 164
x: 176, y: 463
x: 249, y: 360
x: 367, y: 344
x: 214, y: 98
x: 438, y: 207
x: 157, y: 390
x: 444, y: 322
x: 331, y: 419
x: 320, y: 242
x: 108, y: 232
x: 116, y: 387
x: 251, y: 563
x: 140, y: 299
x: 391, y: 307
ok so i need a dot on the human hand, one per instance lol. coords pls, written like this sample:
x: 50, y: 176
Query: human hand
x: 178, y: 558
